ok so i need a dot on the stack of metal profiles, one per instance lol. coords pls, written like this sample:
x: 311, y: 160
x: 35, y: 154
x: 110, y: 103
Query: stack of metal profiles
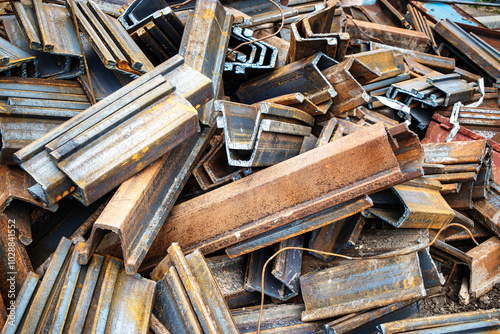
x: 433, y: 89
x: 110, y: 40
x: 255, y: 134
x: 98, y: 297
x: 30, y: 108
x: 154, y: 27
x: 163, y: 99
x: 464, y: 169
x: 251, y: 60
x: 47, y: 28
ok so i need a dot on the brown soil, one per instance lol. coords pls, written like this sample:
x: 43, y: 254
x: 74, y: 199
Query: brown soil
x: 448, y: 301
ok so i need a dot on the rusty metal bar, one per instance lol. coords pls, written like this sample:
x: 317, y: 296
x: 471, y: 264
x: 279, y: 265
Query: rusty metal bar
x: 172, y: 305
x: 300, y: 226
x: 187, y: 83
x: 479, y: 54
x: 403, y: 38
x: 361, y: 285
x: 204, y: 46
x: 42, y: 295
x: 276, y: 318
x: 156, y: 326
x: 230, y: 276
x: 262, y: 134
x: 486, y: 210
x: 22, y: 302
x: 376, y: 65
x: 280, y: 209
x: 485, y: 267
x: 138, y: 222
x: 414, y: 204
x: 350, y: 93
x: 336, y: 236
x: 321, y: 30
x: 292, y: 78
x: 201, y: 287
x: 359, y: 321
x: 53, y: 26
x: 438, y: 321
x: 275, y: 284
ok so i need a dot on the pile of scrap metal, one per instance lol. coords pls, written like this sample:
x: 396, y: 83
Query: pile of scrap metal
x: 166, y: 164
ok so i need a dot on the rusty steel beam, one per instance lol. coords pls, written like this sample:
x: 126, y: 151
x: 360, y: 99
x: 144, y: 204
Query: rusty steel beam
x: 303, y: 76
x: 14, y: 186
x: 204, y: 46
x: 321, y: 30
x: 401, y: 310
x: 438, y: 63
x: 212, y: 214
x: 149, y: 195
x: 262, y: 134
x: 276, y: 318
x: 485, y: 267
x: 403, y: 38
x: 230, y: 276
x: 361, y: 285
x: 376, y: 65
x: 202, y: 290
x: 334, y: 237
x: 114, y: 302
x: 281, y: 280
x: 350, y: 93
x: 92, y: 134
x: 414, y: 204
x: 486, y: 210
x: 479, y: 54
x: 439, y: 322
x: 325, y: 217
x: 213, y: 169
x: 439, y: 130
x: 376, y: 242
x: 258, y: 58
x: 111, y: 42
x: 49, y: 28
x: 298, y: 101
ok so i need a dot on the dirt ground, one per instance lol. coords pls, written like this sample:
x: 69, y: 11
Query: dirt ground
x: 448, y: 302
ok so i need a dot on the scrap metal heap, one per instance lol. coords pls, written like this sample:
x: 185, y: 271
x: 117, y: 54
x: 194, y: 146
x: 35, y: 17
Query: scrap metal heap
x: 167, y: 166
